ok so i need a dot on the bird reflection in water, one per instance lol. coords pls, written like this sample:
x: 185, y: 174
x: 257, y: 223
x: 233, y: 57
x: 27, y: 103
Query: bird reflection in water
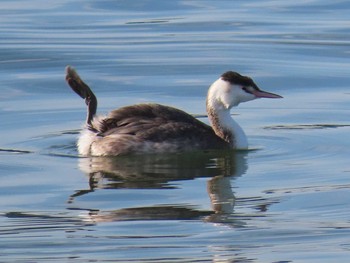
x: 161, y: 171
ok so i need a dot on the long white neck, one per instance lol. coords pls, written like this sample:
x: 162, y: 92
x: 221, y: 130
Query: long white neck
x: 220, y: 117
x: 226, y: 128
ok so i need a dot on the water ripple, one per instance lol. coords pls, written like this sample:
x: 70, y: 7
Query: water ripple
x: 283, y: 201
x: 308, y: 189
x: 306, y: 126
x: 14, y: 151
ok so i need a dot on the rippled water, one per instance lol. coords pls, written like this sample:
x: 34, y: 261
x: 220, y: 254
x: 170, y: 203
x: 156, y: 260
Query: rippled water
x: 285, y: 200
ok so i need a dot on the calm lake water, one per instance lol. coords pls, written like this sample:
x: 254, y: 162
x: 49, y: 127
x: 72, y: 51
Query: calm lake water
x: 285, y: 200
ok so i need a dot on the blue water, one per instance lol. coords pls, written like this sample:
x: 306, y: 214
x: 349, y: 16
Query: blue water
x: 285, y: 200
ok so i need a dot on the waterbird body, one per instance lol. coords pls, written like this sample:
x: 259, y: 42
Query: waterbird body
x: 155, y: 128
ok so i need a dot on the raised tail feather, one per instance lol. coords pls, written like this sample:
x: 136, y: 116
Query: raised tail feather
x: 83, y: 90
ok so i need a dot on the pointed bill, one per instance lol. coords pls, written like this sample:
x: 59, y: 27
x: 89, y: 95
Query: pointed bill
x: 265, y: 94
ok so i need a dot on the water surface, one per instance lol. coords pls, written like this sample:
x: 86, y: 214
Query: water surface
x: 285, y: 200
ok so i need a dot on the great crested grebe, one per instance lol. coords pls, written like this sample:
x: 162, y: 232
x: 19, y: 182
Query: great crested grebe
x: 155, y: 128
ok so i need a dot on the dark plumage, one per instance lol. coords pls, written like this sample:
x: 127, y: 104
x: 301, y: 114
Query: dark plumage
x: 158, y: 123
x: 145, y: 128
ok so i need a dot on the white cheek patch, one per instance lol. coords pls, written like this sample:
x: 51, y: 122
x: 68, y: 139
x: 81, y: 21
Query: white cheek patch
x: 243, y: 96
x: 236, y: 96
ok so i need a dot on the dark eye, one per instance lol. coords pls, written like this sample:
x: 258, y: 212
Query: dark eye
x: 246, y: 90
